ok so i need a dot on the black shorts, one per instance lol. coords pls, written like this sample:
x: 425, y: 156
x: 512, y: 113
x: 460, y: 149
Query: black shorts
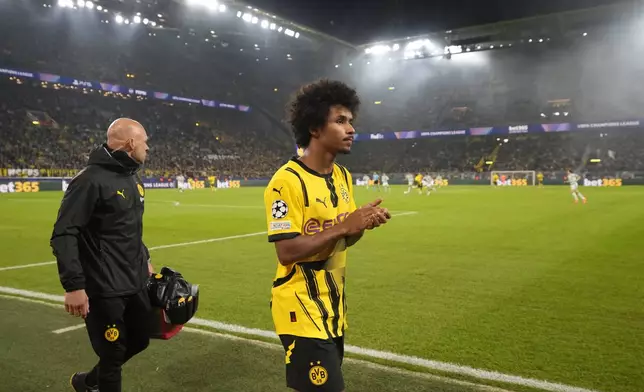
x: 314, y: 364
x: 376, y: 182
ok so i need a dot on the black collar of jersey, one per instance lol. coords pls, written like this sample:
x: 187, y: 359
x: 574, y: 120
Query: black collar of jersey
x: 116, y: 161
x: 309, y: 170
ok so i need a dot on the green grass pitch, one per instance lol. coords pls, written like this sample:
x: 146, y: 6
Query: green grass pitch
x: 519, y: 281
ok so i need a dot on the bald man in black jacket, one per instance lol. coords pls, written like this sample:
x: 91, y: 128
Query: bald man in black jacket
x: 103, y: 263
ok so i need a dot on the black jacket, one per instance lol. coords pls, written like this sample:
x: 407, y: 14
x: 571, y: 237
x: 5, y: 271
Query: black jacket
x: 98, y: 236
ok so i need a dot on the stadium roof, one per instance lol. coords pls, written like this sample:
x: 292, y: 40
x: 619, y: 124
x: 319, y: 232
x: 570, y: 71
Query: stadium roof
x: 537, y: 29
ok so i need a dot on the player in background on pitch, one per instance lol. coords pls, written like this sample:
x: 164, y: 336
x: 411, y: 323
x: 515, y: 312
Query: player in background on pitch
x: 385, y: 182
x: 439, y: 181
x: 428, y: 184
x: 365, y: 180
x: 376, y: 181
x: 410, y: 182
x: 540, y: 179
x: 573, y: 180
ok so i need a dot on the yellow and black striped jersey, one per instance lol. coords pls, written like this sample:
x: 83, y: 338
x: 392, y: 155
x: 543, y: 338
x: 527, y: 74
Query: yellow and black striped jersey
x: 307, y: 298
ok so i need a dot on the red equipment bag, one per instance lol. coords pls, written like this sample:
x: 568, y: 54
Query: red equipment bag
x: 161, y: 327
x: 174, y: 302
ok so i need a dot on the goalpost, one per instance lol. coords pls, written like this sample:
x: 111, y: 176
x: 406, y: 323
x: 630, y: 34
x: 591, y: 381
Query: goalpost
x: 514, y: 178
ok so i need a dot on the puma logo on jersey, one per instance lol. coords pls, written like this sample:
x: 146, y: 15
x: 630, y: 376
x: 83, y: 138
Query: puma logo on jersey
x: 279, y: 191
x: 121, y: 193
x: 323, y: 202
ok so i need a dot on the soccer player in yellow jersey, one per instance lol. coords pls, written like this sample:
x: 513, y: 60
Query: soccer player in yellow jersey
x: 540, y: 179
x: 418, y: 181
x: 212, y: 182
x: 495, y: 179
x: 312, y: 220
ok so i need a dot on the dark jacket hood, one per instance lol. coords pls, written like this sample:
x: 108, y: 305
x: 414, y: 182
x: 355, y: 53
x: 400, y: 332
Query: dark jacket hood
x: 116, y: 161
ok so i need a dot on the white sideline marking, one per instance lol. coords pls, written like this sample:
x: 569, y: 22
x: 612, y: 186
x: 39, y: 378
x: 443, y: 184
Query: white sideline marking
x: 232, y: 237
x: 278, y: 347
x: 365, y: 352
x: 14, y: 267
x: 68, y: 329
x: 368, y: 364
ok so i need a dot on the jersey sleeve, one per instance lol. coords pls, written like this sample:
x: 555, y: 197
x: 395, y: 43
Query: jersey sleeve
x: 284, y: 209
x: 352, y: 201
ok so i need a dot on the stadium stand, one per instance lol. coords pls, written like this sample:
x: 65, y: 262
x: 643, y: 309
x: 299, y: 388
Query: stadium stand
x: 50, y: 125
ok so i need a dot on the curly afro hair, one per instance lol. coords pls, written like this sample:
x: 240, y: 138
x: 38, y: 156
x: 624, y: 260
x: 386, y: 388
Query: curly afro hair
x: 310, y: 107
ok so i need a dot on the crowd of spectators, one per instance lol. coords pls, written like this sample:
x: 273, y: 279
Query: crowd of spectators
x: 48, y: 128
x: 203, y: 141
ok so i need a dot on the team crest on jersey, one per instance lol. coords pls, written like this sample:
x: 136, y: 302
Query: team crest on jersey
x: 141, y: 190
x: 344, y: 193
x: 318, y: 374
x: 279, y: 209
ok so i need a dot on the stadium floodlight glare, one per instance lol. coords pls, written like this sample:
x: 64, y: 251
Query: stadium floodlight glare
x: 468, y: 50
x: 566, y: 114
x: 454, y: 49
x: 337, y: 65
x: 89, y: 5
x: 272, y: 26
x: 505, y: 140
x: 137, y: 19
x: 556, y: 113
x: 350, y: 64
x: 258, y: 46
x: 379, y: 49
x: 395, y: 47
x: 222, y: 8
x: 81, y: 3
x: 99, y: 7
x: 585, y: 34
x: 279, y: 29
x: 289, y: 32
x: 254, y: 20
x: 118, y: 19
x: 247, y: 17
x: 239, y: 14
x: 297, y: 35
x: 146, y: 21
x: 530, y: 40
x: 540, y: 39
x: 264, y: 24
x: 414, y: 48
x: 153, y: 24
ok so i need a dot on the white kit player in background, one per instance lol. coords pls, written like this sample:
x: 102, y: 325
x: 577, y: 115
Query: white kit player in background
x: 428, y: 183
x: 439, y: 181
x: 181, y: 182
x: 365, y: 179
x: 573, y: 180
x: 385, y: 182
x: 410, y: 182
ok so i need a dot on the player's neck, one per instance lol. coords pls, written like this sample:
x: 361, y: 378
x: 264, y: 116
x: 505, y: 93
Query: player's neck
x: 318, y: 160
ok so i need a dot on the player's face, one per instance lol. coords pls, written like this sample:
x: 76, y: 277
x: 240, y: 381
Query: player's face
x: 139, y: 146
x: 337, y: 135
